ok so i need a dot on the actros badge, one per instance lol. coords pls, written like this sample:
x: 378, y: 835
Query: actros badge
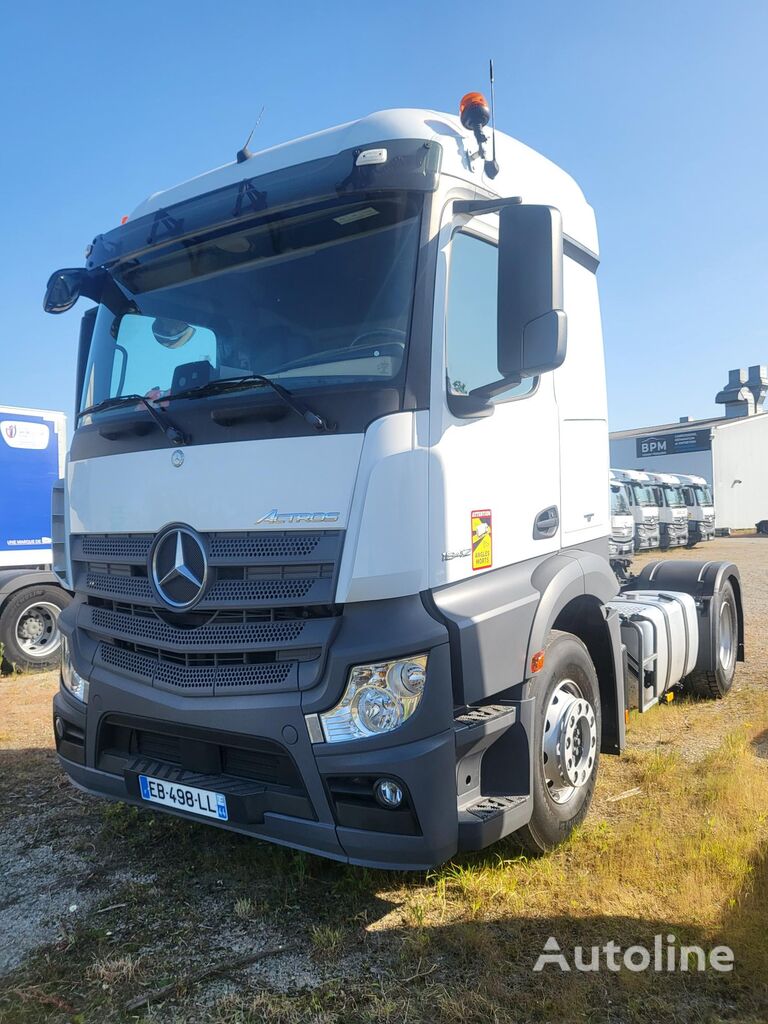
x: 274, y: 517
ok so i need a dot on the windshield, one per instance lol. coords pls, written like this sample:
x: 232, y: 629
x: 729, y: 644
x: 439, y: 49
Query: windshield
x: 319, y: 297
x: 643, y: 496
x: 619, y: 504
x: 674, y: 496
x: 703, y: 495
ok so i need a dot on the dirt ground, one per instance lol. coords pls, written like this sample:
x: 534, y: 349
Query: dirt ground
x: 102, y: 903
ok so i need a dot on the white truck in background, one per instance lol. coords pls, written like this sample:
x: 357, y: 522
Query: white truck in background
x: 621, y: 541
x: 673, y: 512
x: 642, y: 506
x: 33, y: 445
x: 335, y: 508
x: 697, y: 495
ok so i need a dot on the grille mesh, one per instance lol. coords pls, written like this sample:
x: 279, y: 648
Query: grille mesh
x: 136, y: 587
x: 254, y: 546
x: 242, y: 591
x: 264, y: 623
x: 203, y: 680
x: 110, y: 546
x: 246, y: 634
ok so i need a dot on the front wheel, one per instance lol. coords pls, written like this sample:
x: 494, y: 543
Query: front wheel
x: 566, y: 742
x: 29, y: 628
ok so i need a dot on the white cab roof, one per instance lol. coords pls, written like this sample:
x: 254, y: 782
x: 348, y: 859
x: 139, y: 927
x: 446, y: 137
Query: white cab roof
x: 522, y: 171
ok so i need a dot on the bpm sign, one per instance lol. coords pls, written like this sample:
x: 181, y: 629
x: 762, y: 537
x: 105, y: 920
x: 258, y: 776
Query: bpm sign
x: 673, y: 443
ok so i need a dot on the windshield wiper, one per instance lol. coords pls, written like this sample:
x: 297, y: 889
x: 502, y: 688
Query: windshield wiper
x: 175, y: 436
x: 217, y: 387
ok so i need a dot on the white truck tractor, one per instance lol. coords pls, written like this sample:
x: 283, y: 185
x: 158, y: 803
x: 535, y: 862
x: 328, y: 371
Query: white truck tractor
x: 337, y: 521
x: 642, y: 505
x: 673, y: 513
x: 697, y: 496
x: 621, y: 540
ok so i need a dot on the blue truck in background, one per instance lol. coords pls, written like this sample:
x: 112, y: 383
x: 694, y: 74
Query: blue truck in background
x: 32, y: 451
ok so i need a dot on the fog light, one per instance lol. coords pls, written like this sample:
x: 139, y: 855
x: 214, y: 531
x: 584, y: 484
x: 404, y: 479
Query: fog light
x: 58, y: 725
x: 388, y: 793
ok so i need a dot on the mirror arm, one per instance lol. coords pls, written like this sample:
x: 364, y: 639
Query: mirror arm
x: 496, y: 387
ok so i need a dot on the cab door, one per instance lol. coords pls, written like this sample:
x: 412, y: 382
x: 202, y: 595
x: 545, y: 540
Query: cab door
x: 494, y: 480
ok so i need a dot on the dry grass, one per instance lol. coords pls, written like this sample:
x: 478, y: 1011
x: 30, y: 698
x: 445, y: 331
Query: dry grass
x: 686, y: 854
x: 114, y: 970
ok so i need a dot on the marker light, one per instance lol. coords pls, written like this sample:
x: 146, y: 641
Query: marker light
x: 537, y: 662
x: 474, y: 111
x: 124, y: 219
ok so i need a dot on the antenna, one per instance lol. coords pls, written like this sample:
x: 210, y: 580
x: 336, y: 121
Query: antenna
x: 245, y: 153
x: 492, y: 166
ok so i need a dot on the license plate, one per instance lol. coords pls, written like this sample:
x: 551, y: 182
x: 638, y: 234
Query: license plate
x: 184, y: 798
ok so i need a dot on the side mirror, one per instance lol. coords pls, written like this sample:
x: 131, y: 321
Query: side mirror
x: 532, y: 325
x: 63, y: 290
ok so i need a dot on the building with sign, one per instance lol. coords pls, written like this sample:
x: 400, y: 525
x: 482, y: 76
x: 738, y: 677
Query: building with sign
x: 729, y: 451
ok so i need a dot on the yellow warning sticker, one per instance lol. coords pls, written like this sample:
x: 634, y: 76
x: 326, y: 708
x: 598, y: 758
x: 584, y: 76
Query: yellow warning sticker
x: 482, y: 539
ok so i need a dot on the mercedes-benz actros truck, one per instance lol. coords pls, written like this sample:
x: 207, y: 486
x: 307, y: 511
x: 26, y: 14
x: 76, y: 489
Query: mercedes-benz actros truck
x: 673, y: 513
x: 697, y: 496
x: 621, y: 541
x: 336, y: 516
x: 643, y: 506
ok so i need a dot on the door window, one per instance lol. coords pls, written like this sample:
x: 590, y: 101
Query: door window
x: 471, y: 357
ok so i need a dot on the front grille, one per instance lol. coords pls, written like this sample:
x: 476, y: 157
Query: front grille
x: 263, y: 624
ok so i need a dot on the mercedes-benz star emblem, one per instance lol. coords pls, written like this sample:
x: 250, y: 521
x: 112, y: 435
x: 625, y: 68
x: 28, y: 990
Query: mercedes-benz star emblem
x: 177, y: 459
x: 178, y: 567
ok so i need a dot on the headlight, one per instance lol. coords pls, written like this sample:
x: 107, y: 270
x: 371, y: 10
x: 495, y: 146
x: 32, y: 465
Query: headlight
x: 70, y: 677
x: 378, y: 699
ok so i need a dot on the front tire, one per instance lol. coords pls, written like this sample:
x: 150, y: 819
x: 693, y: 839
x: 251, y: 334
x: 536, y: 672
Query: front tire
x: 566, y: 742
x: 29, y: 628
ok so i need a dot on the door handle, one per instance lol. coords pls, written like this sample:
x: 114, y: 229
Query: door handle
x: 546, y: 523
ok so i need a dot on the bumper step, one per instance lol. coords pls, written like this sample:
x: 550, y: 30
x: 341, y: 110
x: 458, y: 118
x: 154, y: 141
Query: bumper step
x: 491, y: 817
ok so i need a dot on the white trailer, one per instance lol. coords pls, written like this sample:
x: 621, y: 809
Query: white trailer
x: 336, y: 511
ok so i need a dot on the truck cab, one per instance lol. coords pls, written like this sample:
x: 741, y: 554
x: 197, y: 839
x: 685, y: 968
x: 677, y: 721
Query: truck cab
x: 673, y: 511
x: 697, y: 495
x: 642, y: 505
x: 336, y: 514
x: 621, y: 543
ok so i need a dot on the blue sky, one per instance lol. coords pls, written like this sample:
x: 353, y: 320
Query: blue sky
x: 656, y: 108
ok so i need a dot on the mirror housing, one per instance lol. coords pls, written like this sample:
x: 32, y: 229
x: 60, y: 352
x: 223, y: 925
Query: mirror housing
x: 532, y: 325
x: 63, y: 289
x: 66, y: 286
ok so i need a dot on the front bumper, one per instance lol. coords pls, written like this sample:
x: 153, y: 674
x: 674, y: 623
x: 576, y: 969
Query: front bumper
x: 701, y: 531
x: 101, y: 746
x: 674, y: 535
x: 621, y: 548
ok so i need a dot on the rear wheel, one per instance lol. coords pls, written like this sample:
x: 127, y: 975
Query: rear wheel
x: 29, y: 628
x: 566, y: 742
x: 717, y: 679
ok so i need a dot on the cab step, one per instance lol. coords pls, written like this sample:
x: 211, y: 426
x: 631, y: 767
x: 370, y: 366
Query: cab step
x: 490, y: 817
